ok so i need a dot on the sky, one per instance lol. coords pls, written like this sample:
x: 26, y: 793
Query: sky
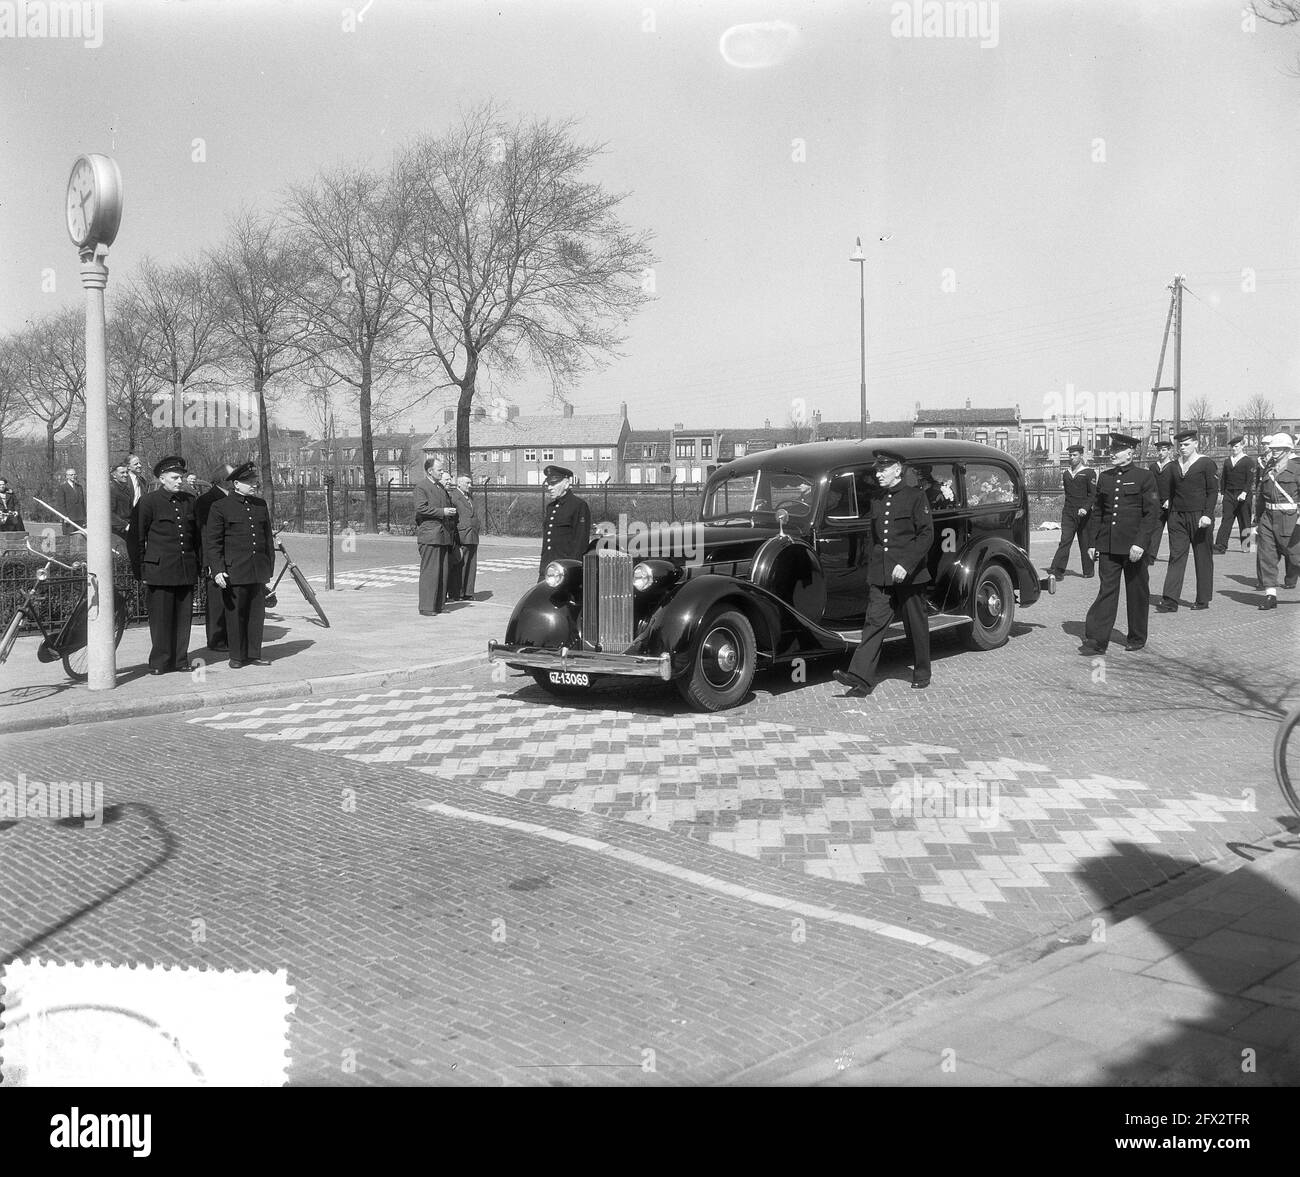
x: 1024, y: 195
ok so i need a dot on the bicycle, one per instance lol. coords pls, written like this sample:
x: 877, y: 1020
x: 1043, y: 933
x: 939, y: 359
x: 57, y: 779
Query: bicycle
x: 1281, y: 766
x: 70, y: 642
x: 300, y: 580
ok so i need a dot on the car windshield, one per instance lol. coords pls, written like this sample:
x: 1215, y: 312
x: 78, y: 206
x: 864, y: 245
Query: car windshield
x: 759, y: 492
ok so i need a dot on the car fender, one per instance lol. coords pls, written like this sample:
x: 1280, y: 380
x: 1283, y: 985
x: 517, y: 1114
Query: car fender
x: 543, y: 616
x: 956, y: 581
x: 788, y: 567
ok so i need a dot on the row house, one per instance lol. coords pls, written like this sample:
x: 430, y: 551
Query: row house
x: 517, y: 450
x: 396, y: 454
x: 996, y: 427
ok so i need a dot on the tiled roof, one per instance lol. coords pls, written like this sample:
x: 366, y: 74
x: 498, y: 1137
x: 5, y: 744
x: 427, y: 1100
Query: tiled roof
x: 648, y: 436
x: 1007, y: 416
x: 381, y: 441
x: 604, y: 430
x: 849, y: 429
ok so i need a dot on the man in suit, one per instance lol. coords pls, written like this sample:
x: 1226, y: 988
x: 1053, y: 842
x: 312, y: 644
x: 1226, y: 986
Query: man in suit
x: 1122, y: 520
x: 135, y: 468
x: 1278, y: 512
x: 70, y: 499
x: 435, y: 523
x: 240, y: 550
x: 1194, y: 491
x: 119, y: 500
x: 566, y: 520
x: 215, y: 620
x: 11, y: 510
x: 897, y: 572
x: 1163, y: 469
x: 163, y: 540
x: 1237, y: 482
x: 1079, y: 482
x: 465, y: 571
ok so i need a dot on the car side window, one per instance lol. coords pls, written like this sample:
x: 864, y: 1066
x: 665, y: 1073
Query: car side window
x: 841, y: 498
x: 988, y: 486
x: 939, y: 482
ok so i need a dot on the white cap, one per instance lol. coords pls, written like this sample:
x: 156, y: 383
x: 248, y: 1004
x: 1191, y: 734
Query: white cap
x: 1279, y: 441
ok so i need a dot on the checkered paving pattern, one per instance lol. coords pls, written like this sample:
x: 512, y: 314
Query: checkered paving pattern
x: 955, y: 831
x: 403, y: 574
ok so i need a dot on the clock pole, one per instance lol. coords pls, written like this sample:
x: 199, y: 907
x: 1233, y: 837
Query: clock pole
x: 101, y: 649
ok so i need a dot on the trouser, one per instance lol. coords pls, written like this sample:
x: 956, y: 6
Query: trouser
x: 1137, y: 598
x: 1154, y: 550
x: 465, y: 572
x: 883, y: 602
x: 1279, y: 543
x: 169, y: 625
x: 1232, y: 509
x: 245, y: 610
x: 215, y: 622
x: 1184, y: 536
x: 434, y: 560
x: 1073, y: 525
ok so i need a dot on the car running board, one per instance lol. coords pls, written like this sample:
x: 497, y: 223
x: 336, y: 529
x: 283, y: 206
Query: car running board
x: 937, y: 621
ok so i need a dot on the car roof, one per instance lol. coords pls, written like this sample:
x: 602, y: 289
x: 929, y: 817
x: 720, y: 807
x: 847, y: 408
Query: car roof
x: 815, y: 458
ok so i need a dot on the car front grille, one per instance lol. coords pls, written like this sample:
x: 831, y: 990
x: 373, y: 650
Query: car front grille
x: 607, y: 600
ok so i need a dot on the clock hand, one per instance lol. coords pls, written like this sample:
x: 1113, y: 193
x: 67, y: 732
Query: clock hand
x: 85, y: 196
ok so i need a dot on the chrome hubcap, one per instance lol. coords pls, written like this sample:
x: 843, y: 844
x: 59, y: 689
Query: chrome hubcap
x: 727, y: 658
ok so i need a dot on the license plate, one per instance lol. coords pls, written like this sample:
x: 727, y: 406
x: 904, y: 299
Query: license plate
x: 569, y: 678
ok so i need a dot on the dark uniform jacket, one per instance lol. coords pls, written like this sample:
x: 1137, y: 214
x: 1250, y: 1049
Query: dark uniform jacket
x: 164, y: 538
x: 466, y: 527
x: 202, y: 508
x: 566, y: 530
x: 1237, y: 478
x: 902, y: 531
x: 1078, y: 487
x: 1197, y: 491
x: 1164, y: 476
x: 1282, y: 480
x: 432, y: 524
x: 119, y: 506
x: 238, y: 541
x: 1125, y: 510
x: 71, y: 501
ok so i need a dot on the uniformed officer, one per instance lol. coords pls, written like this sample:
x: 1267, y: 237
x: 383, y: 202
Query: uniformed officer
x: 240, y: 550
x: 216, y: 608
x: 435, y: 525
x: 163, y: 541
x: 566, y: 521
x: 1163, y: 469
x: 1078, y: 482
x: 1125, y: 511
x: 1194, y: 491
x: 1237, y: 482
x: 897, y: 572
x: 1277, y: 532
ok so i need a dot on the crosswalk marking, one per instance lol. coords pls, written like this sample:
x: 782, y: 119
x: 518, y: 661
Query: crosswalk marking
x: 401, y: 574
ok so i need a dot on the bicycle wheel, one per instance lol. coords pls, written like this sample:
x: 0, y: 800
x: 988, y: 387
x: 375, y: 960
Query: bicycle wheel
x: 1282, y: 766
x: 76, y: 651
x: 301, y: 582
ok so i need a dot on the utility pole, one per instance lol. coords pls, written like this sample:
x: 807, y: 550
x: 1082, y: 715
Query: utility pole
x: 1174, y: 319
x: 861, y: 258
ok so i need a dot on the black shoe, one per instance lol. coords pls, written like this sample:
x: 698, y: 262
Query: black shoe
x: 1290, y: 582
x: 1091, y: 650
x: 1165, y: 605
x: 155, y: 670
x: 1218, y: 551
x: 1195, y: 605
x: 1056, y: 573
x: 919, y: 684
x: 219, y: 649
x: 858, y: 688
x: 1269, y: 603
x: 1089, y: 575
x: 1133, y: 647
x: 236, y: 664
x: 185, y: 668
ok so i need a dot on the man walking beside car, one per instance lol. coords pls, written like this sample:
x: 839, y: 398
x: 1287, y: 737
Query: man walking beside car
x: 1193, y: 495
x: 1079, y: 482
x: 1236, y: 481
x: 1123, y: 518
x: 435, y: 523
x: 897, y: 572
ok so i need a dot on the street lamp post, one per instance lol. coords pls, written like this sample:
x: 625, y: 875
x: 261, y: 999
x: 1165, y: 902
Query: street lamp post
x: 861, y: 258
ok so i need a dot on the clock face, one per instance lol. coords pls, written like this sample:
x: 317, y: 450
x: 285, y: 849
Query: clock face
x: 81, y: 202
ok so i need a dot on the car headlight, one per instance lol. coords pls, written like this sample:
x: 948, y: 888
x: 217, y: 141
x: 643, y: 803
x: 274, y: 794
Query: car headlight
x: 555, y: 574
x: 649, y: 573
x: 642, y: 577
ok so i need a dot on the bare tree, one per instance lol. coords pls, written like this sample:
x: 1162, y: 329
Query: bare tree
x: 257, y: 272
x: 182, y: 312
x: 352, y: 222
x: 50, y: 372
x: 132, y: 383
x: 515, y: 258
x: 1277, y: 12
x: 1199, y: 413
x: 1258, y: 417
x: 12, y: 409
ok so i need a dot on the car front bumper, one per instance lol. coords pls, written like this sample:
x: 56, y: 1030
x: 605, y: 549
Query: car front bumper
x: 582, y: 661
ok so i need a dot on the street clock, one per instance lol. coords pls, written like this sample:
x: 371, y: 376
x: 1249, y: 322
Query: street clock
x: 94, y: 201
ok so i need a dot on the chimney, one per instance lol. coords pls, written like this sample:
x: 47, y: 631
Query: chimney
x: 568, y: 409
x: 678, y: 426
x: 448, y: 416
x: 622, y: 410
x: 767, y: 423
x: 968, y: 402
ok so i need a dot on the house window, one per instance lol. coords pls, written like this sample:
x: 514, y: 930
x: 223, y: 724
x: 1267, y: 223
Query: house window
x: 634, y: 474
x: 686, y: 449
x: 530, y: 455
x: 606, y: 455
x: 1001, y: 440
x: 982, y: 436
x: 681, y: 473
x: 706, y: 447
x: 651, y: 474
x: 534, y: 478
x: 548, y: 455
x: 740, y: 449
x: 570, y: 455
x: 588, y: 455
x: 950, y: 435
x: 931, y: 435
